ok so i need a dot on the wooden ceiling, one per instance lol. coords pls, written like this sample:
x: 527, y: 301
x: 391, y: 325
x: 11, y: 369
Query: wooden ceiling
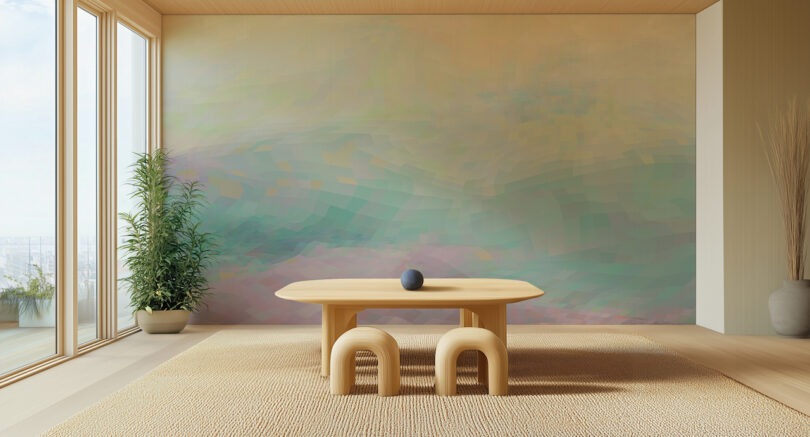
x: 305, y: 7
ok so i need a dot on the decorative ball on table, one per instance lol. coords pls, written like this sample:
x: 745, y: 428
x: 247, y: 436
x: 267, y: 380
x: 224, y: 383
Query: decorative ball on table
x: 412, y: 279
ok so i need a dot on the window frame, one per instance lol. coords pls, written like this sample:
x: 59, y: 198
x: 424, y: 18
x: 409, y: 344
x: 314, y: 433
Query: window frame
x: 145, y: 21
x: 100, y: 119
x: 113, y: 310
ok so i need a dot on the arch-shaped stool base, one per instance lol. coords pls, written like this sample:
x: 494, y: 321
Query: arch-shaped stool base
x: 485, y: 341
x: 342, y: 365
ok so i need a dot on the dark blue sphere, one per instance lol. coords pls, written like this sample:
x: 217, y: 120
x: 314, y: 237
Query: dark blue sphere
x: 412, y: 279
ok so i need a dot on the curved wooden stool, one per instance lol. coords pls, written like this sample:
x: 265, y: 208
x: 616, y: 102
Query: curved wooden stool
x: 461, y: 339
x: 342, y: 366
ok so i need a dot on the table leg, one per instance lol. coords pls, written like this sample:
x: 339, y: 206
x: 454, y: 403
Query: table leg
x: 493, y: 318
x: 334, y: 322
x: 465, y: 318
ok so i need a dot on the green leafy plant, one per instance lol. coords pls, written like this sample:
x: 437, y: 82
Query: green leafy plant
x: 31, y: 296
x: 165, y: 250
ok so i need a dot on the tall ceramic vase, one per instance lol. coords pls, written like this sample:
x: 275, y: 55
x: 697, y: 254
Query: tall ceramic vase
x: 790, y: 309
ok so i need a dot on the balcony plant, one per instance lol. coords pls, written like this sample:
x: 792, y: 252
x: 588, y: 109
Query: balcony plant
x: 788, y: 153
x: 165, y: 250
x: 33, y: 298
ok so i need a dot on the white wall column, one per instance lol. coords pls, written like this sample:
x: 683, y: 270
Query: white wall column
x: 709, y: 269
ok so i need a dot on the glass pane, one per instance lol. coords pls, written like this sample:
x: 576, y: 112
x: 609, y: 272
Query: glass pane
x: 27, y: 182
x: 131, y: 122
x: 86, y: 171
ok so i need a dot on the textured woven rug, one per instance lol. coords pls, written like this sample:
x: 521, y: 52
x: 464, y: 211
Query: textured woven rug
x: 261, y: 382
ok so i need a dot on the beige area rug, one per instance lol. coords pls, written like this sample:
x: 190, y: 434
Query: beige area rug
x: 266, y: 382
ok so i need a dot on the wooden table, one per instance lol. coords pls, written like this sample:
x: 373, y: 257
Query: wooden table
x: 482, y: 303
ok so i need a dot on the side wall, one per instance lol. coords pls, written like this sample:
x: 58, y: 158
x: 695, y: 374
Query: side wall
x: 766, y: 62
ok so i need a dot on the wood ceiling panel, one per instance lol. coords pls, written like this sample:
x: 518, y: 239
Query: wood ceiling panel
x: 295, y: 7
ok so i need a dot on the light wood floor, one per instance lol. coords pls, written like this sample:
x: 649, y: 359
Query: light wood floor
x: 776, y: 367
x: 26, y: 345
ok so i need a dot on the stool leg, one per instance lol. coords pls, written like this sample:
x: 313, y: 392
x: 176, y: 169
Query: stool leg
x: 388, y: 378
x: 499, y: 377
x: 445, y: 371
x: 343, y: 371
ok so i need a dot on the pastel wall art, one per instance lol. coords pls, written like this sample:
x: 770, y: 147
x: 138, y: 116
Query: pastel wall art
x: 556, y: 149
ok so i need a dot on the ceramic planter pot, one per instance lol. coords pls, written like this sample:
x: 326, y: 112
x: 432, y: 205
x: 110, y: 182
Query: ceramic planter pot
x: 163, y: 322
x: 790, y: 309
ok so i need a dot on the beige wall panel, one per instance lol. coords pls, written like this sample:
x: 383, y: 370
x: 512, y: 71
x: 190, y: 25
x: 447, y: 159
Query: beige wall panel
x: 766, y: 58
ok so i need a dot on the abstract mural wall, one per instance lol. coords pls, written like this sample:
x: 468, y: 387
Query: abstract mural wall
x: 554, y: 149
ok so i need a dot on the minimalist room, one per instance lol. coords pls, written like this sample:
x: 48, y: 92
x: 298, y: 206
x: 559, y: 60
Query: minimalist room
x: 404, y: 218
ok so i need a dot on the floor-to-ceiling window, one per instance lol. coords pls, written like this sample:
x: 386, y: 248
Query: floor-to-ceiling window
x: 78, y: 93
x: 131, y: 92
x: 27, y: 182
x: 87, y: 136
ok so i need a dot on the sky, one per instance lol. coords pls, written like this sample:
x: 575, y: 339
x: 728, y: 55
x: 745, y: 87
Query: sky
x: 27, y: 117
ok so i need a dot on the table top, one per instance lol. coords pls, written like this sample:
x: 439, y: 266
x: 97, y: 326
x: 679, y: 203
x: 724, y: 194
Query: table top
x: 388, y: 293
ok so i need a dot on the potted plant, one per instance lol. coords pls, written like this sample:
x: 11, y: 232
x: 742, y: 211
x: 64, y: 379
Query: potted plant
x: 33, y: 299
x: 165, y: 251
x: 788, y: 155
